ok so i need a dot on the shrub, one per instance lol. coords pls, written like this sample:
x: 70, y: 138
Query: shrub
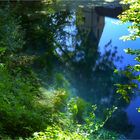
x: 24, y: 108
x: 57, y: 133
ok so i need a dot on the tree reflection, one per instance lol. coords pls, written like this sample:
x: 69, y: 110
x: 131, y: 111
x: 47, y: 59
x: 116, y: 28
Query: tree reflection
x: 92, y: 73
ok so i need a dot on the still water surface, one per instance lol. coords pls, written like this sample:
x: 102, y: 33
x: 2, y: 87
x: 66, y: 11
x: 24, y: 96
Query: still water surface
x: 116, y: 31
x: 94, y: 43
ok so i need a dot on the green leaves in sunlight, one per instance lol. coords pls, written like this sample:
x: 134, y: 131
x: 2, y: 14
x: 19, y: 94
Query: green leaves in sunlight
x: 57, y: 133
x: 70, y: 128
x: 132, y: 73
x: 76, y: 108
x: 138, y: 109
x: 131, y: 14
x: 132, y: 51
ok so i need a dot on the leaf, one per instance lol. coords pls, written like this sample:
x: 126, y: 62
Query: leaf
x: 116, y: 71
x: 138, y: 109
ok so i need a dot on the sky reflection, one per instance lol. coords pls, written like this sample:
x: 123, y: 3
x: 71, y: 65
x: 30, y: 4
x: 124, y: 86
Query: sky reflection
x: 113, y: 32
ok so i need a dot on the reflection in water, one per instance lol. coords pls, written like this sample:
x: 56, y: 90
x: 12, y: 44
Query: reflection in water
x: 92, y: 22
x: 91, y: 73
x: 134, y: 117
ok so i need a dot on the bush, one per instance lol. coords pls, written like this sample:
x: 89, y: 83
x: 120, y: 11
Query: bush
x: 57, y: 133
x: 11, y: 37
x: 17, y: 104
x: 24, y: 108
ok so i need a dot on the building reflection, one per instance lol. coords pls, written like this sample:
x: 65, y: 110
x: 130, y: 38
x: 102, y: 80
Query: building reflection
x: 91, y: 22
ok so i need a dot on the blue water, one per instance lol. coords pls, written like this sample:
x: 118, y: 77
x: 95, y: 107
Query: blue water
x: 108, y: 41
x: 113, y: 31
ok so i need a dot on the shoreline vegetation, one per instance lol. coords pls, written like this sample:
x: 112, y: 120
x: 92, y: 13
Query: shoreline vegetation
x: 37, y: 102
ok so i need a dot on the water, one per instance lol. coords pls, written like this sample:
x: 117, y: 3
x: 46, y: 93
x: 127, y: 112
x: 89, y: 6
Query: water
x: 116, y: 32
x: 93, y: 50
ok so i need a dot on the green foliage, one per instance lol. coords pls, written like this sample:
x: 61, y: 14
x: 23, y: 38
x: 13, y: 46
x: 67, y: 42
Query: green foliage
x: 55, y: 99
x: 57, y: 133
x: 131, y: 73
x: 93, y: 125
x: 76, y: 109
x: 66, y: 126
x: 138, y: 109
x: 17, y: 104
x: 11, y: 37
x: 60, y: 81
x: 133, y: 15
x: 24, y: 108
